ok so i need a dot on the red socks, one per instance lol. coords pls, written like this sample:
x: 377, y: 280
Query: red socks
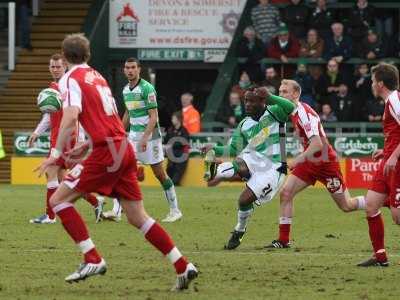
x: 77, y: 230
x: 284, y: 232
x: 377, y: 236
x: 160, y: 239
x: 91, y: 199
x: 284, y: 229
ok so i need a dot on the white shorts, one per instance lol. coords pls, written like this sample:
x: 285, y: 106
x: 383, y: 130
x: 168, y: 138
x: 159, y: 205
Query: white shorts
x: 265, y: 181
x: 154, y: 152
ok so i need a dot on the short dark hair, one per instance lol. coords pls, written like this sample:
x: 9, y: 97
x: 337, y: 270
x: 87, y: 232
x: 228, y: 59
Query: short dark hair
x: 56, y: 56
x: 76, y: 48
x: 388, y: 74
x: 178, y: 115
x: 133, y: 60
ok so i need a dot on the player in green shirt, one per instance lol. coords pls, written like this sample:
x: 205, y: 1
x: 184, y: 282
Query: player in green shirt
x: 141, y: 116
x: 259, y: 155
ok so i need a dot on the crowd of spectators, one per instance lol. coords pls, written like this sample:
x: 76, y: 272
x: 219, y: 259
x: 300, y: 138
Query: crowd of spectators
x: 322, y: 40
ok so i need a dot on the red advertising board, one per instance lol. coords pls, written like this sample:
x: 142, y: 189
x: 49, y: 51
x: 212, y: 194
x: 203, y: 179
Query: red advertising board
x: 360, y: 171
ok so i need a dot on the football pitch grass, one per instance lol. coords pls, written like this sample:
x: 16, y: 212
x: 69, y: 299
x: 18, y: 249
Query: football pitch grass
x: 327, y: 245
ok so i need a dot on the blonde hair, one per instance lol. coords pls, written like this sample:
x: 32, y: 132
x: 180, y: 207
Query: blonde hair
x: 296, y: 87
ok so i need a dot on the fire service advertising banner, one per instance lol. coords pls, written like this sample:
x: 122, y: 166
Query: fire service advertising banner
x: 192, y: 24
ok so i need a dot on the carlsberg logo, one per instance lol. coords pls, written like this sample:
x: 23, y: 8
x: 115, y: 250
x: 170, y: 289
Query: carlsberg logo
x: 350, y: 146
x: 21, y: 144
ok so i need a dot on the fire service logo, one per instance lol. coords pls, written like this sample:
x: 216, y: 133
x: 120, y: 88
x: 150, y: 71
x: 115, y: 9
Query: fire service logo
x: 127, y: 22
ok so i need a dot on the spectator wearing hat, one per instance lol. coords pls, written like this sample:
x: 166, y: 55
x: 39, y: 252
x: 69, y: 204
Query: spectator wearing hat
x: 295, y: 16
x: 360, y: 19
x: 338, y: 46
x: 284, y: 45
x: 272, y: 80
x: 265, y: 19
x: 321, y: 18
x: 250, y: 51
x: 372, y: 46
x: 304, y: 79
x: 312, y: 46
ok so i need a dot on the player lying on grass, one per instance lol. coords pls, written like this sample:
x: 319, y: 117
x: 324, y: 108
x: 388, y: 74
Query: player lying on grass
x: 56, y: 172
x: 109, y: 169
x: 256, y: 145
x: 318, y: 162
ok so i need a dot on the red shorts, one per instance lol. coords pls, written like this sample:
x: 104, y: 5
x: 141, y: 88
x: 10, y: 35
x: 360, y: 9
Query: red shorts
x: 100, y: 174
x: 328, y: 173
x: 389, y: 185
x: 61, y: 161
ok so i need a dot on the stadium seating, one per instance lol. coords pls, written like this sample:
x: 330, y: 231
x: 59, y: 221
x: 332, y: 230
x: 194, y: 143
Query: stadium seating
x: 18, y: 109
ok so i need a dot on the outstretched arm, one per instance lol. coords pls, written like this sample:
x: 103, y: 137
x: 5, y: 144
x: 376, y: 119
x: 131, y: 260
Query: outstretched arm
x: 235, y: 145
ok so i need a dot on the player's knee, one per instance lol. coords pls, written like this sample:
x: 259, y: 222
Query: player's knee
x: 346, y: 208
x: 286, y: 195
x: 54, y: 200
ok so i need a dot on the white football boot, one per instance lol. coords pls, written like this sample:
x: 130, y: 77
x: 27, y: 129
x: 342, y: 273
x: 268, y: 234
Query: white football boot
x: 44, y: 219
x: 86, y: 270
x: 183, y: 280
x: 173, y: 215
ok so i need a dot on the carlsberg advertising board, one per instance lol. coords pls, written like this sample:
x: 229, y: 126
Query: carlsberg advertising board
x: 40, y: 148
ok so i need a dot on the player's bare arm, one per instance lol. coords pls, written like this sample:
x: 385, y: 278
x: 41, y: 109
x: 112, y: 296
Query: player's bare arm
x: 378, y: 154
x: 125, y: 120
x: 392, y: 161
x: 68, y: 125
x: 153, y: 117
x: 314, y: 147
x: 43, y: 126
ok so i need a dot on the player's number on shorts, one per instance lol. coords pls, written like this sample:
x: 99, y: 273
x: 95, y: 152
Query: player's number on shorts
x: 107, y: 99
x: 266, y: 191
x: 333, y: 183
x: 76, y: 171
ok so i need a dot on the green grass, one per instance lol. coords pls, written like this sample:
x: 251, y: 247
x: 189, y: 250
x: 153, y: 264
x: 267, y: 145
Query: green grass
x: 34, y: 259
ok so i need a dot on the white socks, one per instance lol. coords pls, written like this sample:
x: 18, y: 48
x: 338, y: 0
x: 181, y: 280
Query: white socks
x: 243, y: 219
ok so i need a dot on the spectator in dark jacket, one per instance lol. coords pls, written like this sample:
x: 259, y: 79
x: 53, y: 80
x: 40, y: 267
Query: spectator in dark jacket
x: 243, y: 85
x: 250, y: 51
x: 304, y: 79
x: 234, y: 112
x: 284, y: 45
x: 373, y: 46
x: 321, y: 18
x: 329, y: 82
x: 177, y: 148
x: 375, y: 109
x: 362, y: 91
x: 272, y: 80
x: 360, y: 19
x: 296, y: 17
x: 312, y: 46
x: 338, y: 46
x: 343, y: 104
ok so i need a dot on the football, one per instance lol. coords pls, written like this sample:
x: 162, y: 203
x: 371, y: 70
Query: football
x: 49, y: 100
